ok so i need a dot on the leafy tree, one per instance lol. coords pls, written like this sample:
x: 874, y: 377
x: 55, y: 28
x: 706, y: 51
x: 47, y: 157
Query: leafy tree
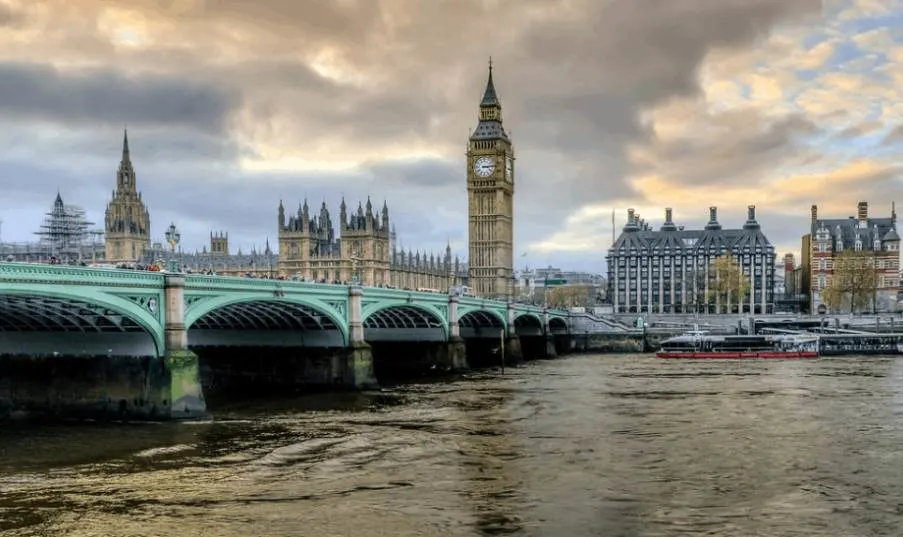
x: 729, y: 284
x: 853, y: 281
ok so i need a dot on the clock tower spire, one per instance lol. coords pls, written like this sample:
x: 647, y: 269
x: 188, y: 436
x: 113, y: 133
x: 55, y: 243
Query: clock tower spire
x: 490, y: 200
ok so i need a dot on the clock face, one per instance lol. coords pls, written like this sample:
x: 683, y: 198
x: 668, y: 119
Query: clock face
x: 484, y: 166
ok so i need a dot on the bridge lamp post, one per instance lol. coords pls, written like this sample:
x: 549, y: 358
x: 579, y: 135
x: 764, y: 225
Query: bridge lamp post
x: 173, y: 237
x: 355, y: 274
x: 452, y: 283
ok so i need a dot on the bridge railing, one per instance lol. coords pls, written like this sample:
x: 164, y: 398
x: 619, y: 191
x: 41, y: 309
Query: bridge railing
x: 256, y: 283
x: 47, y: 273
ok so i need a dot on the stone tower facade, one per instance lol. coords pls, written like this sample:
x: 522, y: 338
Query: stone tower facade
x: 490, y: 200
x: 127, y: 225
x: 311, y: 249
x: 219, y: 243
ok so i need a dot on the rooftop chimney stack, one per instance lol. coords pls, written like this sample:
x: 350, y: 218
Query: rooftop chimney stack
x: 863, y: 211
x: 630, y: 216
x: 814, y: 214
x: 789, y: 262
x: 751, y: 213
x: 669, y: 220
x: 713, y: 214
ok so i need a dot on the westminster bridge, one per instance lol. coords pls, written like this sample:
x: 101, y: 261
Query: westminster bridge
x: 113, y: 343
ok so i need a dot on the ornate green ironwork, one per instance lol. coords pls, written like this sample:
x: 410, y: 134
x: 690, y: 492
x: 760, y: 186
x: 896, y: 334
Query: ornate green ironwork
x: 139, y: 295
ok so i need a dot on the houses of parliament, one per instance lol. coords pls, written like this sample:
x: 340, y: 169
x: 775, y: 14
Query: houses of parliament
x: 359, y: 245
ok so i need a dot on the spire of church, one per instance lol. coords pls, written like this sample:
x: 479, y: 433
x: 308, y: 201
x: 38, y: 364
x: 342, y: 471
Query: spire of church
x: 489, y: 96
x: 126, y: 174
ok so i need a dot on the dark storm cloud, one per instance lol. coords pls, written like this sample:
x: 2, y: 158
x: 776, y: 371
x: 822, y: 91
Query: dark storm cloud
x: 34, y: 91
x: 422, y: 173
x: 743, y: 149
x: 573, y: 77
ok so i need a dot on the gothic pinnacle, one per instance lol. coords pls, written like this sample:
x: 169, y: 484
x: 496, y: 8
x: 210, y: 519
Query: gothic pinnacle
x: 125, y: 144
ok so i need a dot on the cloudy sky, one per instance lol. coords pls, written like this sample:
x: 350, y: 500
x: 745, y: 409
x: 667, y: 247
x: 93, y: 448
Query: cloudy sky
x: 232, y: 105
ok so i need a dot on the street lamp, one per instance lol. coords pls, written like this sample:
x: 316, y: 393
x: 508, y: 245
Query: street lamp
x: 173, y: 237
x: 451, y: 279
x: 355, y: 277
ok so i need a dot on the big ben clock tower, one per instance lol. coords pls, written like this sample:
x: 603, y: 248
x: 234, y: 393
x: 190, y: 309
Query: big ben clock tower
x: 490, y: 199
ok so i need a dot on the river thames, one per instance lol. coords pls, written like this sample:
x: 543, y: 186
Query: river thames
x: 613, y: 445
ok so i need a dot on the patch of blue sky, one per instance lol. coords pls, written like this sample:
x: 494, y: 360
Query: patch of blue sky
x: 865, y: 63
x: 844, y: 52
x: 864, y: 24
x: 813, y: 39
x: 807, y: 75
x: 860, y: 144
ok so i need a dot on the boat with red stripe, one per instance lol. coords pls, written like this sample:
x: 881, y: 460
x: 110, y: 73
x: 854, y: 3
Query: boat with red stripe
x: 701, y: 345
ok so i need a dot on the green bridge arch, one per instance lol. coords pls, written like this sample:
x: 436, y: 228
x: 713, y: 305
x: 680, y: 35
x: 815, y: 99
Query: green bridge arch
x: 370, y: 309
x: 535, y: 316
x: 562, y: 320
x: 498, y: 315
x: 206, y: 305
x: 140, y: 315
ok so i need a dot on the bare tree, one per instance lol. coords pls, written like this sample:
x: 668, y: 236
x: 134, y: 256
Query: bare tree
x: 693, y: 282
x: 568, y: 296
x: 853, y: 282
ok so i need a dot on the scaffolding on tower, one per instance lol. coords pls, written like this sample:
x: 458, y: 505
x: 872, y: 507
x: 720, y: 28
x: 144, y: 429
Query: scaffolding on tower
x: 66, y: 233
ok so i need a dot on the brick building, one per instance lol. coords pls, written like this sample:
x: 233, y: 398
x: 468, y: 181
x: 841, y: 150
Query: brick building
x: 829, y: 237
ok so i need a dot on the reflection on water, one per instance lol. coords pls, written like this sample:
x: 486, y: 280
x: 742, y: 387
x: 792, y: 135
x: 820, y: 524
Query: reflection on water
x: 591, y: 445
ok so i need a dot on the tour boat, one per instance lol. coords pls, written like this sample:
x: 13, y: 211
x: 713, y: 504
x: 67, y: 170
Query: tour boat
x: 699, y: 344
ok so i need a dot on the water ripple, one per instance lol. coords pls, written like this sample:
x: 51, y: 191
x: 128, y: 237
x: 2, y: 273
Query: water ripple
x: 590, y: 445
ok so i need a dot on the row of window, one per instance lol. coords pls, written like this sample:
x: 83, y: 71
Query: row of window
x: 624, y: 250
x: 880, y: 263
x: 644, y: 274
x: 679, y: 261
x: 884, y: 282
x: 857, y: 246
x: 678, y: 299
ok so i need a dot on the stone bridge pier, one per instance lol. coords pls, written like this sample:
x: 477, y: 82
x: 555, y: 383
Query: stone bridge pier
x: 411, y: 339
x: 182, y: 378
x: 78, y: 352
x: 538, y: 336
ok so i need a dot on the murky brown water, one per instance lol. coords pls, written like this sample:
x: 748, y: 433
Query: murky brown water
x: 592, y: 445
